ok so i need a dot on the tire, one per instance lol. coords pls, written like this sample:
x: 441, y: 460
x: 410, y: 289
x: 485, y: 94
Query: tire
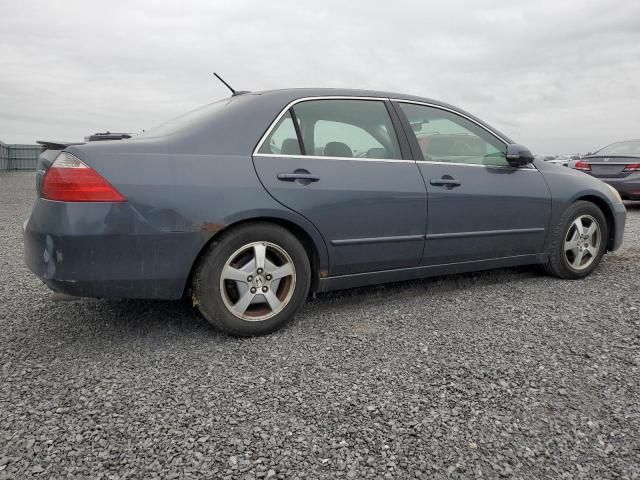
x: 563, y: 261
x: 234, y: 297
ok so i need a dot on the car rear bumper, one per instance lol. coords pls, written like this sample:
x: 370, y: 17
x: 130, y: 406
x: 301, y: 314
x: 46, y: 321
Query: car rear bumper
x: 628, y: 187
x: 106, y: 250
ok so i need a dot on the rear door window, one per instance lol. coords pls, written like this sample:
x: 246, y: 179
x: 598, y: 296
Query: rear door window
x: 347, y: 129
x: 282, y: 140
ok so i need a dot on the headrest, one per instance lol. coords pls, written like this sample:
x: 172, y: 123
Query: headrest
x: 290, y: 146
x: 337, y: 149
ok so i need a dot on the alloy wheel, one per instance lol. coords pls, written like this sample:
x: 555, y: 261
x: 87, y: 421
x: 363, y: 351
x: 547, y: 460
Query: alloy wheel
x: 257, y: 281
x: 582, y: 242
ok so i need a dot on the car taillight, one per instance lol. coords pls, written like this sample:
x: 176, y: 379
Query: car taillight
x: 632, y: 167
x: 584, y: 166
x: 70, y: 180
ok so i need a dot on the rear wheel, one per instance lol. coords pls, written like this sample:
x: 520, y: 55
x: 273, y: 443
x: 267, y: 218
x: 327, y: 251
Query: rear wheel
x: 578, y: 242
x: 252, y: 280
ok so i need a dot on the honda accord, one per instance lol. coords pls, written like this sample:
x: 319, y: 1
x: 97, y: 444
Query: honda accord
x: 250, y: 203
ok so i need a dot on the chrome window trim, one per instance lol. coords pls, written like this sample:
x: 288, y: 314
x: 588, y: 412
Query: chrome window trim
x: 347, y: 159
x: 531, y: 167
x: 305, y: 99
x: 379, y: 160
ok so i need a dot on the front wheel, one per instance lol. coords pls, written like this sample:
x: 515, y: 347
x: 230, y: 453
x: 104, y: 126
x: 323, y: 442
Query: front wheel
x: 578, y: 242
x: 252, y: 280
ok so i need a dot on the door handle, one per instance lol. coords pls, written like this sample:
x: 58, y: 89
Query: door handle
x: 445, y: 181
x: 300, y: 176
x: 290, y: 177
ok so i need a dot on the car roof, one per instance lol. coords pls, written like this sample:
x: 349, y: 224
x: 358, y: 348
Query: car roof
x: 238, y: 126
x: 297, y: 93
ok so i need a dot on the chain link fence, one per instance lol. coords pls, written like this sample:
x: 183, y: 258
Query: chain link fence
x: 19, y: 157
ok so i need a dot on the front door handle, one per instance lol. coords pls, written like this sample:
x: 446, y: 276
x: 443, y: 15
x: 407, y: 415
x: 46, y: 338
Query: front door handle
x: 445, y: 181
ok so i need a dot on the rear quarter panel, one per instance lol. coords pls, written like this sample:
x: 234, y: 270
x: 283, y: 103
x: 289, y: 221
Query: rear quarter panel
x: 188, y: 196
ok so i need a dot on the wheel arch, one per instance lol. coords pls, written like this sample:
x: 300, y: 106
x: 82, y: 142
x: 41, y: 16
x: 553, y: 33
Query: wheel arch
x: 312, y: 242
x: 607, y: 211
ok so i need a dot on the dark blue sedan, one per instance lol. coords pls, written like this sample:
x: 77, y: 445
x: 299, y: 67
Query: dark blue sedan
x: 250, y: 203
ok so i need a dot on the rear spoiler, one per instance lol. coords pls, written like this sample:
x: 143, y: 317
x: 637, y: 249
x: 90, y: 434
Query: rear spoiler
x: 96, y: 137
x: 46, y: 145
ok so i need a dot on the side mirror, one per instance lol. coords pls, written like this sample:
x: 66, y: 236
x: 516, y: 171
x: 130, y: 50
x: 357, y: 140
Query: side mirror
x: 518, y: 155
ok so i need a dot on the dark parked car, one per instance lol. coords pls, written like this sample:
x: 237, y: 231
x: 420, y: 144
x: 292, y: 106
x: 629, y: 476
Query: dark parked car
x: 618, y: 165
x: 250, y: 203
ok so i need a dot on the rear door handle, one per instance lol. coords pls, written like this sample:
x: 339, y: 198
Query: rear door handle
x: 290, y: 177
x: 300, y: 176
x: 445, y: 181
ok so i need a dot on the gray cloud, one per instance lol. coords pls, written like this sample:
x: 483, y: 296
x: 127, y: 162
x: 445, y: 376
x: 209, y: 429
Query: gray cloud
x: 559, y: 76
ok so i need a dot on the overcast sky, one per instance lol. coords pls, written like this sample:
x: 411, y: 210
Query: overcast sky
x: 558, y: 76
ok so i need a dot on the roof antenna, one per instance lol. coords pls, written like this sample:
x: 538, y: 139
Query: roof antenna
x: 233, y: 92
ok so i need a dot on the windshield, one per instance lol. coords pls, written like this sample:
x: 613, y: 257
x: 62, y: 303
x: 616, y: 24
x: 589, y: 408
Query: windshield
x: 621, y: 148
x: 187, y: 120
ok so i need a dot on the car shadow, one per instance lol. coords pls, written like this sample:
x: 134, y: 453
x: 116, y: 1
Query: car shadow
x: 426, y: 286
x: 107, y: 324
x: 136, y: 323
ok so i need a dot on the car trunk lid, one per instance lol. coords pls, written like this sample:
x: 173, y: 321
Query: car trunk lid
x: 610, y: 166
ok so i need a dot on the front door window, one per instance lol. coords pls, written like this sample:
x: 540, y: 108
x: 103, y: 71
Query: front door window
x: 446, y: 137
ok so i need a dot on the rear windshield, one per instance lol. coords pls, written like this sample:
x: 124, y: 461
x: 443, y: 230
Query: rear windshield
x: 186, y: 121
x: 622, y: 148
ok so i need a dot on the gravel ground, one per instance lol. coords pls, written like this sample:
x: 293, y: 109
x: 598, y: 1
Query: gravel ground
x: 499, y: 374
